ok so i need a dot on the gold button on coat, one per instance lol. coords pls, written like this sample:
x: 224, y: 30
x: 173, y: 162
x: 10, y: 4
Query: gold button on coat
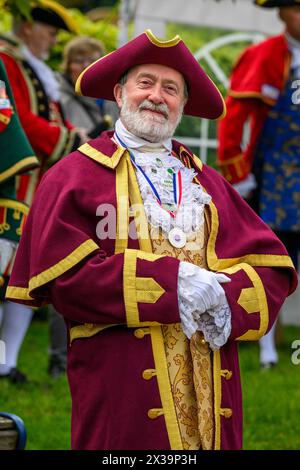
x: 148, y: 374
x: 141, y: 332
x: 226, y: 412
x: 154, y: 413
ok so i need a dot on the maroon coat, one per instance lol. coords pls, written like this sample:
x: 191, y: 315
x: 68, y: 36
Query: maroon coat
x: 115, y: 293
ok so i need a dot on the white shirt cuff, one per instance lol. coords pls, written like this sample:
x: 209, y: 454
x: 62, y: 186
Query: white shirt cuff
x: 245, y: 187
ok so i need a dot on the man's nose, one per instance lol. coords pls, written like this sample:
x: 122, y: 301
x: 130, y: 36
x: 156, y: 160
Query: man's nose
x: 156, y: 95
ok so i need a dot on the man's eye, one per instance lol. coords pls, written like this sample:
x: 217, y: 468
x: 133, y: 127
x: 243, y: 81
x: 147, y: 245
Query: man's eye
x: 145, y: 82
x: 171, y: 89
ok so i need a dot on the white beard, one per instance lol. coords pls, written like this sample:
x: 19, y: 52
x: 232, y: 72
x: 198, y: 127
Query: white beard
x: 148, y: 126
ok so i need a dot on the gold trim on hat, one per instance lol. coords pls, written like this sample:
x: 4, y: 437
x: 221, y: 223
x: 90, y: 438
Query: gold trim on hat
x: 78, y: 81
x: 62, y: 12
x: 162, y: 43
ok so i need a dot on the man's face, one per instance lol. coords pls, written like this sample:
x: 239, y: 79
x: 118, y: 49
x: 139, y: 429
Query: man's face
x: 79, y: 62
x: 40, y: 38
x: 151, y: 101
x: 291, y: 17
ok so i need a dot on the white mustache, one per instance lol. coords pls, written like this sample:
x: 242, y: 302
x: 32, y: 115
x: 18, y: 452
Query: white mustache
x: 161, y: 108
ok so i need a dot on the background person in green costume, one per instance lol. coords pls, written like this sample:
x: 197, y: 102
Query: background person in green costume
x: 16, y: 157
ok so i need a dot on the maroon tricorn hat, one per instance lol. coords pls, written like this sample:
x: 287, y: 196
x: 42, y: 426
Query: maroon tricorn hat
x: 98, y: 80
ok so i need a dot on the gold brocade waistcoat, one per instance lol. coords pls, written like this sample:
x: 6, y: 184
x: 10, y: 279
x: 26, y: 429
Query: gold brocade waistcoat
x: 189, y: 361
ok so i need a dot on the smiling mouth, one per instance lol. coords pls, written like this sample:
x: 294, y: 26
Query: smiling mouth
x: 157, y: 112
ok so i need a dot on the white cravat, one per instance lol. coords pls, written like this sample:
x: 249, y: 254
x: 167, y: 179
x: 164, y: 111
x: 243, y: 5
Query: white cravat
x: 45, y: 74
x: 133, y: 142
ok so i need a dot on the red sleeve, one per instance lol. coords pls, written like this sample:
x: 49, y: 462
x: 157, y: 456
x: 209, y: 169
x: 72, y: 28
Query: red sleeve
x: 46, y: 138
x: 235, y: 164
x: 134, y: 288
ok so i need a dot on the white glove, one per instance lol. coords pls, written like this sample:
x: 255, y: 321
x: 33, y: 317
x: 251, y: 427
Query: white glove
x: 202, y: 303
x: 245, y: 187
x: 201, y: 284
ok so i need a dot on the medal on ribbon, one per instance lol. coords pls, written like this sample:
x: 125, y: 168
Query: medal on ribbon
x: 176, y: 236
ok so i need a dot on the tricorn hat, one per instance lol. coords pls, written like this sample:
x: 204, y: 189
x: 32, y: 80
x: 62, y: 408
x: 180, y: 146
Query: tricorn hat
x: 276, y: 3
x: 98, y: 80
x: 54, y: 14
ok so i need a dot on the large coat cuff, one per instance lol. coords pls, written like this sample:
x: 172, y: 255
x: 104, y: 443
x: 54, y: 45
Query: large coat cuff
x: 235, y: 169
x: 253, y: 302
x: 150, y: 289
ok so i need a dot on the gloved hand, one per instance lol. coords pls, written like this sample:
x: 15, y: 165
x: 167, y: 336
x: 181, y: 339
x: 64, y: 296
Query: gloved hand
x: 201, y: 287
x: 245, y: 187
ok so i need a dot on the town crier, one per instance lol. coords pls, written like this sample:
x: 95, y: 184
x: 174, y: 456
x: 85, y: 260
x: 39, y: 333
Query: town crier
x: 156, y: 263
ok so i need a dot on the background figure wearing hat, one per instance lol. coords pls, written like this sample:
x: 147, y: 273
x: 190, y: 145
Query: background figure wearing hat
x: 37, y: 95
x: 36, y: 89
x: 95, y: 116
x: 16, y: 157
x: 263, y: 90
x: 137, y: 254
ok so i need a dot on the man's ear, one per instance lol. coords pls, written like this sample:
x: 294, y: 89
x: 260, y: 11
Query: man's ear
x: 26, y: 28
x: 118, y: 94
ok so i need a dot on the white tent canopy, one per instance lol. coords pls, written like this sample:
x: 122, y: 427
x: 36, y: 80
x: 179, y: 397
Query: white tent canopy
x: 241, y: 15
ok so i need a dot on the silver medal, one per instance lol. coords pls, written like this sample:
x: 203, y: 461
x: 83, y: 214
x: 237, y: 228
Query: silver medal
x: 177, y: 237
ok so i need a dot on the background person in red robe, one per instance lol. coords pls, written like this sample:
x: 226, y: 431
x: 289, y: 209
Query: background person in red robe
x: 36, y: 89
x: 264, y: 92
x: 131, y: 239
x: 24, y: 52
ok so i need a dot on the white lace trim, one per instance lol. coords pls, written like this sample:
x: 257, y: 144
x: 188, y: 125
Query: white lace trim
x: 216, y: 325
x: 190, y: 215
x: 214, y: 322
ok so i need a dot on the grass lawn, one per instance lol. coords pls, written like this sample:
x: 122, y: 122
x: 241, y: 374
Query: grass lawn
x: 44, y: 404
x: 271, y: 398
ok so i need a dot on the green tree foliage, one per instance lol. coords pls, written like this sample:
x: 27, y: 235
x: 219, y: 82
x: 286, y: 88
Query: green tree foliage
x: 104, y: 30
x: 5, y: 21
x: 86, y: 5
x: 17, y: 7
